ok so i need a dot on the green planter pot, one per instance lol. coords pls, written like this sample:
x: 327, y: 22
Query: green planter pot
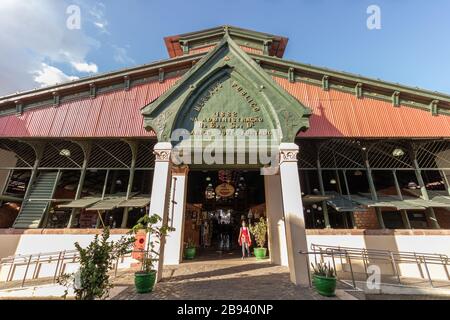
x: 189, y: 253
x: 260, y: 253
x: 325, y: 286
x: 144, y: 282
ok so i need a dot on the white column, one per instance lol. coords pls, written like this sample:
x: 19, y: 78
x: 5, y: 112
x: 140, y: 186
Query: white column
x: 293, y: 213
x: 159, y: 201
x: 173, y: 250
x: 275, y: 218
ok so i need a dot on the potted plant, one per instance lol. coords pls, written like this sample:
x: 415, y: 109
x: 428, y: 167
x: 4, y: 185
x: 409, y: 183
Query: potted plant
x: 259, y: 231
x: 144, y: 280
x: 91, y: 281
x: 189, y: 251
x: 324, y: 279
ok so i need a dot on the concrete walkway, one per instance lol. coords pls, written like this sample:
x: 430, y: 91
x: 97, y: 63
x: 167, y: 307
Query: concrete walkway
x: 228, y: 279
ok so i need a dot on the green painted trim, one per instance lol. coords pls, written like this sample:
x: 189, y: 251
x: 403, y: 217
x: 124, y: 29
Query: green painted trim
x: 434, y: 107
x: 359, y: 90
x: 227, y: 60
x: 19, y: 108
x: 220, y: 32
x: 370, y: 95
x: 56, y: 99
x: 291, y: 75
x: 325, y: 83
x: 86, y: 94
x: 127, y: 82
x: 257, y: 40
x: 115, y: 76
x: 299, y: 67
x: 396, y: 99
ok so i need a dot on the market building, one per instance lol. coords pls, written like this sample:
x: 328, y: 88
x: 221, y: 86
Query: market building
x: 227, y: 130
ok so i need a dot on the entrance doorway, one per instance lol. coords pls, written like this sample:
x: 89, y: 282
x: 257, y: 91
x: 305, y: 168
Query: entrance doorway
x: 217, y: 203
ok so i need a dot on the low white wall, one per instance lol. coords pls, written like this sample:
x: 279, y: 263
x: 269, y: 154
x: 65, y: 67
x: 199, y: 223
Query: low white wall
x: 37, y: 243
x: 436, y: 244
x: 46, y: 243
x: 11, y: 244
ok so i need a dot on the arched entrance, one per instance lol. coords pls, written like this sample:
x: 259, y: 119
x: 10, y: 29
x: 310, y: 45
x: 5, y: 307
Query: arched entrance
x: 216, y: 204
x: 227, y: 114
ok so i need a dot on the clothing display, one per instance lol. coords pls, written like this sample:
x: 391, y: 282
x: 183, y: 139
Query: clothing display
x: 220, y: 230
x: 224, y: 242
x: 205, y: 234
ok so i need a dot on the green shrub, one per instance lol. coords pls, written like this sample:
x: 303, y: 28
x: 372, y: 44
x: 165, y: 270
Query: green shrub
x: 91, y: 281
x: 324, y: 270
x: 259, y: 231
x: 155, y: 231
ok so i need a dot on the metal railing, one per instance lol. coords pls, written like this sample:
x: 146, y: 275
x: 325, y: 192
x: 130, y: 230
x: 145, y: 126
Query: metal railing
x: 34, y: 262
x: 349, y: 256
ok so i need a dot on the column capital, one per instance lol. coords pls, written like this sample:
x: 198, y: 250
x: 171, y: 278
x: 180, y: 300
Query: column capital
x: 162, y: 151
x: 181, y: 170
x: 288, y: 152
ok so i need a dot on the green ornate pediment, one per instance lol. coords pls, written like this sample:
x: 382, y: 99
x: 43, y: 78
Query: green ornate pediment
x: 225, y: 91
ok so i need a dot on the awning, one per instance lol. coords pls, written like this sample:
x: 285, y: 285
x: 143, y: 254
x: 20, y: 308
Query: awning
x: 107, y: 204
x: 136, y: 202
x: 344, y: 204
x: 389, y: 202
x: 81, y: 203
x: 442, y: 199
x: 310, y: 199
x: 431, y: 193
x: 408, y: 203
x: 428, y: 203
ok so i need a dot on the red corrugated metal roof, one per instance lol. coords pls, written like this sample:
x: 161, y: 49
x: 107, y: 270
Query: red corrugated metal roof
x: 112, y: 114
x: 340, y: 114
x: 334, y: 114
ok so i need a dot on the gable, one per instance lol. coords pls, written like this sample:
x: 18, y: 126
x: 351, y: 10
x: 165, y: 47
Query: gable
x: 226, y: 90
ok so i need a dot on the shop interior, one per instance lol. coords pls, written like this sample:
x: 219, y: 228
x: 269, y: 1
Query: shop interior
x: 217, y: 202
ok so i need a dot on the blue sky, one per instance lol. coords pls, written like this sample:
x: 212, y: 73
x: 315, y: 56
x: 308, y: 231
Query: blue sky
x: 411, y: 48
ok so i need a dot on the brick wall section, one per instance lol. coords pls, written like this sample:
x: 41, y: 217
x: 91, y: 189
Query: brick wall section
x: 366, y: 220
x: 443, y: 217
x: 8, y: 214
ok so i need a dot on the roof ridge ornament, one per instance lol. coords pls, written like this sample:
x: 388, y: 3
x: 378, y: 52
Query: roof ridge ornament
x: 226, y: 29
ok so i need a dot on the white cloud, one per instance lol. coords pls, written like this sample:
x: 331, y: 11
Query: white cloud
x: 120, y: 55
x: 98, y: 16
x: 49, y: 75
x: 85, y: 67
x: 100, y: 25
x: 35, y: 33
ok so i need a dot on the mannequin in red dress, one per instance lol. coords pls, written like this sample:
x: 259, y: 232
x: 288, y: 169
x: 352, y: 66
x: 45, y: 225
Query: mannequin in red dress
x: 245, y: 240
